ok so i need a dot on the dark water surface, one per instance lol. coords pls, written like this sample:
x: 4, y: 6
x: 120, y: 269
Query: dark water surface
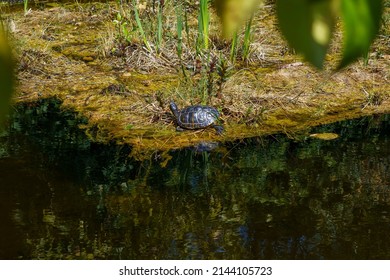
x: 63, y: 197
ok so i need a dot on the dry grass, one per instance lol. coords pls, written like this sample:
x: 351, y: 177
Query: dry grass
x: 72, y: 53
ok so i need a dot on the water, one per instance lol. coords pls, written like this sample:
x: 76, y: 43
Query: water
x: 63, y: 197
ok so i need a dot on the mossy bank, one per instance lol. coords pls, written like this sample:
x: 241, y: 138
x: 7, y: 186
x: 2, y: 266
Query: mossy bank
x: 72, y: 52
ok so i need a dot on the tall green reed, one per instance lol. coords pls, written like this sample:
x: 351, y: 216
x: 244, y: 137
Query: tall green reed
x: 233, y: 48
x: 25, y: 6
x: 186, y: 26
x: 159, y: 38
x: 203, y: 26
x: 247, y: 40
x: 139, y: 25
x: 179, y: 31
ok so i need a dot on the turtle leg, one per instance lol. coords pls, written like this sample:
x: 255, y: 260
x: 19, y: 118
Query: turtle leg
x: 219, y: 129
x: 179, y: 129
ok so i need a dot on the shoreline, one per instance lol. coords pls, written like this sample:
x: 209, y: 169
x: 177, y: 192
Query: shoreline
x: 60, y: 53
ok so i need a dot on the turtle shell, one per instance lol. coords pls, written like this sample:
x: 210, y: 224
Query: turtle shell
x: 198, y: 116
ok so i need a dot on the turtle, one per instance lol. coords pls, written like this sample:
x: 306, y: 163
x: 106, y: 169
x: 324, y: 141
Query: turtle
x: 196, y: 117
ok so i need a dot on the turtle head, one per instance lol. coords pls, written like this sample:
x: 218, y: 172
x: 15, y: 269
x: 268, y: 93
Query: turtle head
x: 173, y: 107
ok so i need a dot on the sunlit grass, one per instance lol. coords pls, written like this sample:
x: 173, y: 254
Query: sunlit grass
x: 159, y: 36
x: 140, y: 28
x: 25, y: 6
x: 190, y: 32
x: 233, y: 48
x: 179, y: 30
x: 247, y: 40
x: 203, y: 25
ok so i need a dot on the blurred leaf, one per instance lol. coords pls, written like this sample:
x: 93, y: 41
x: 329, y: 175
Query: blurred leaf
x: 234, y: 13
x: 6, y: 75
x: 361, y: 22
x: 325, y: 136
x: 307, y: 26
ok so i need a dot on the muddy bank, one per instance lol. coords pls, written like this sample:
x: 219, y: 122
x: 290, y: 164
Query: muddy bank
x: 70, y: 52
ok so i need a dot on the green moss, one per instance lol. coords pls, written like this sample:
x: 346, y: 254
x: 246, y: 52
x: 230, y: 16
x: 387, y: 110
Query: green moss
x: 146, y: 83
x: 282, y: 123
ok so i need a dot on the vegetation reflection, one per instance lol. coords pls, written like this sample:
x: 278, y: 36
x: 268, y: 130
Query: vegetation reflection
x: 264, y: 198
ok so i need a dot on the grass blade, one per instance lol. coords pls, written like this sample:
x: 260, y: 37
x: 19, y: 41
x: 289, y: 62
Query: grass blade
x: 233, y: 49
x: 139, y: 25
x: 159, y: 25
x: 203, y: 25
x: 247, y: 40
x: 179, y: 30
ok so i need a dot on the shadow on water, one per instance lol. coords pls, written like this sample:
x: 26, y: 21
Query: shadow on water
x: 63, y: 197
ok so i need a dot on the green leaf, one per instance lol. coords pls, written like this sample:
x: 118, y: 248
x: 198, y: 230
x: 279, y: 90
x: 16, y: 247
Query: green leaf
x: 234, y: 13
x: 308, y: 26
x: 361, y: 22
x: 6, y: 75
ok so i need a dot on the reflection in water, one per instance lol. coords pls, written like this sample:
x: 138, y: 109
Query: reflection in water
x: 63, y: 197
